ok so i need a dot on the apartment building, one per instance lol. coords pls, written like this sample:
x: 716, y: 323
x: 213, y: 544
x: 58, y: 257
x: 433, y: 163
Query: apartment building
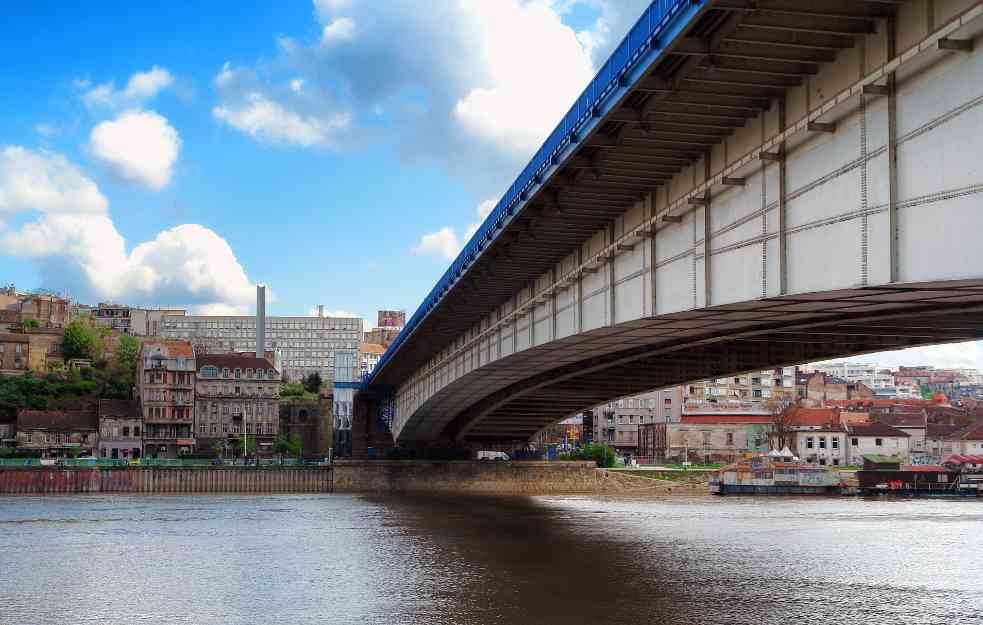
x: 129, y: 320
x: 305, y: 344
x: 750, y: 389
x: 236, y: 394
x: 617, y: 422
x: 166, y: 387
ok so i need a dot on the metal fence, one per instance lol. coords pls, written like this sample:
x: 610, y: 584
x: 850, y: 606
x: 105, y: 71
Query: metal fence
x: 643, y: 35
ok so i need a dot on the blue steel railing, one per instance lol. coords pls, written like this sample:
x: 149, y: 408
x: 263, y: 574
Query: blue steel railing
x: 656, y: 18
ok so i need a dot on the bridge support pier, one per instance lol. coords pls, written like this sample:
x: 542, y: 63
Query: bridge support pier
x: 370, y: 436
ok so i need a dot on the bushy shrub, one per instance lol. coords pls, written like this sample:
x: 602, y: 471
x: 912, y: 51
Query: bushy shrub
x: 603, y: 455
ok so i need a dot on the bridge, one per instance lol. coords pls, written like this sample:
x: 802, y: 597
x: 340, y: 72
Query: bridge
x: 745, y: 184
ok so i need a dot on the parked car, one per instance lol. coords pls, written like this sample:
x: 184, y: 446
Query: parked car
x: 493, y: 455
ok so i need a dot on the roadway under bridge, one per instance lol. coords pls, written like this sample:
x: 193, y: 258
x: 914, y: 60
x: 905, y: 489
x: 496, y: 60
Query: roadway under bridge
x: 747, y: 184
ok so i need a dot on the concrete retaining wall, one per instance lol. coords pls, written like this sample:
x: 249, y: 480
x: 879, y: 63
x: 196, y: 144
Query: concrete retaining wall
x: 508, y: 478
x: 163, y: 480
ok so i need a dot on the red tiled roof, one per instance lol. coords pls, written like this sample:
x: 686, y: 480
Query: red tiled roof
x: 725, y: 418
x: 972, y: 432
x: 812, y: 416
x: 233, y: 361
x: 119, y: 408
x: 174, y: 348
x: 902, y: 419
x: 964, y: 459
x: 940, y: 430
x: 876, y: 429
x: 58, y: 420
x: 864, y: 403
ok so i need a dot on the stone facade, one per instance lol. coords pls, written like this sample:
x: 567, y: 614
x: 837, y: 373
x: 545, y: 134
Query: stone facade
x: 236, y: 394
x: 312, y: 422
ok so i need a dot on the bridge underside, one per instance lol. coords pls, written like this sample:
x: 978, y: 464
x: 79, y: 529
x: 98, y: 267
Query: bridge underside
x: 786, y: 182
x: 529, y: 390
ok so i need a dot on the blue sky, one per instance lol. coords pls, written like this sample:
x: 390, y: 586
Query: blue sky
x: 340, y: 151
x: 337, y: 150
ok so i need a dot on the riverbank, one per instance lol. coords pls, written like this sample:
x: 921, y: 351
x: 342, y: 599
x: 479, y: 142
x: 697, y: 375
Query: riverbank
x: 353, y: 476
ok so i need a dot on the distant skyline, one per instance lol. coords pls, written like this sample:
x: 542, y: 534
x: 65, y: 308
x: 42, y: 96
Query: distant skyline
x: 339, y: 151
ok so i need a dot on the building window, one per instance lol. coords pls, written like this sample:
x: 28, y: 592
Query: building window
x: 809, y: 442
x: 878, y: 442
x: 854, y: 441
x: 730, y: 438
x: 822, y: 442
x: 835, y: 442
x: 238, y: 373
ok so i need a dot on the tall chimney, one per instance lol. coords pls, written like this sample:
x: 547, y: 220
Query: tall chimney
x: 260, y: 321
x: 320, y: 311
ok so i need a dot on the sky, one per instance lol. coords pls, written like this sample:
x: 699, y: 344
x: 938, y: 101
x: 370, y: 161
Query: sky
x: 339, y: 151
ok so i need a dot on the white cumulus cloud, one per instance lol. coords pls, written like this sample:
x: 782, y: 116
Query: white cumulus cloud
x: 139, y: 146
x: 47, y: 183
x: 78, y: 247
x: 443, y: 243
x: 140, y: 87
x: 342, y: 29
x: 267, y: 120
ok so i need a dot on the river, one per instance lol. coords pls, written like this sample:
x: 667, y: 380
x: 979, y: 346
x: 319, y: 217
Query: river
x: 276, y: 560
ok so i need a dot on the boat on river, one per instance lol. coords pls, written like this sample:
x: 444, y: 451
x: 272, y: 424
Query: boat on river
x: 775, y: 473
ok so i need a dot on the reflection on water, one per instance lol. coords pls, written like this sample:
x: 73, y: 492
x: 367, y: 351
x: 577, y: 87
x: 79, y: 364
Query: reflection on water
x: 344, y: 559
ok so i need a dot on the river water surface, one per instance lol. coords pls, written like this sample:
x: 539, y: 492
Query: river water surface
x: 276, y: 560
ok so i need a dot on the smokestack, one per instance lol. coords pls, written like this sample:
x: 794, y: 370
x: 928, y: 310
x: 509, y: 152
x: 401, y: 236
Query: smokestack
x: 320, y: 311
x: 260, y: 321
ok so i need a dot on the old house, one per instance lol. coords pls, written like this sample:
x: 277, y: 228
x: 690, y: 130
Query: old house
x: 120, y: 429
x: 58, y: 433
x: 877, y: 438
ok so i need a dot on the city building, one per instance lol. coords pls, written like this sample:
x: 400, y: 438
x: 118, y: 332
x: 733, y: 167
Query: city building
x: 166, y: 388
x: 8, y: 429
x: 720, y: 437
x: 305, y: 344
x: 48, y: 309
x: 14, y: 350
x: 236, y: 394
x: 58, y: 433
x: 312, y: 422
x: 389, y: 324
x: 940, y: 439
x: 823, y: 444
x: 748, y: 391
x: 129, y: 320
x: 822, y: 388
x: 617, y: 423
x: 877, y: 438
x: 120, y: 429
x: 368, y: 356
x: 968, y: 440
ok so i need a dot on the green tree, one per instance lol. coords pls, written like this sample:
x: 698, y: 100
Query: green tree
x: 312, y: 383
x: 603, y: 455
x: 288, y: 446
x: 250, y: 445
x: 28, y: 324
x: 125, y: 360
x: 83, y: 339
